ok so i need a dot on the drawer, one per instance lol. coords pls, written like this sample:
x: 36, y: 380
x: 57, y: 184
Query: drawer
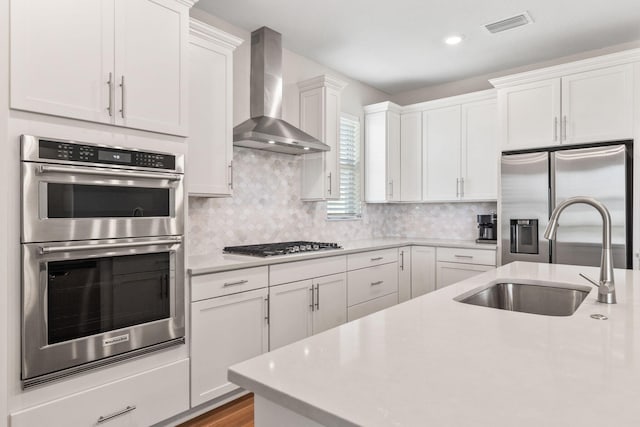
x: 366, y: 308
x: 228, y: 282
x: 449, y: 273
x: 301, y: 270
x: 371, y: 258
x: 467, y: 256
x: 140, y: 400
x: 370, y: 283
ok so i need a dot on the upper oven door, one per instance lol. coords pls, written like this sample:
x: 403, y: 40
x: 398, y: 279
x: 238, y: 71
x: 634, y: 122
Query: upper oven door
x: 64, y: 202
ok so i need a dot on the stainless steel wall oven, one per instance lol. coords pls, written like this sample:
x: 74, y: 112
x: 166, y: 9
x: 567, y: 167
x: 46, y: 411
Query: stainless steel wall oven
x: 103, y: 259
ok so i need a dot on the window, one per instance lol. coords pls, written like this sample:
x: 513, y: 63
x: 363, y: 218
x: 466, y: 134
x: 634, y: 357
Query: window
x: 349, y: 206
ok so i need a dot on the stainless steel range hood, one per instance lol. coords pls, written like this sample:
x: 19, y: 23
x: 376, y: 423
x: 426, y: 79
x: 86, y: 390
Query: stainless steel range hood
x: 265, y: 130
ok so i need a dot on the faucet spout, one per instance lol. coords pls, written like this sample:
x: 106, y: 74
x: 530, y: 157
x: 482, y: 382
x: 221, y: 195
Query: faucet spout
x: 606, y: 285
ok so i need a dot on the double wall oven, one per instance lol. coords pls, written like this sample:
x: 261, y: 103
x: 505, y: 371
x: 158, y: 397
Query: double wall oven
x: 102, y: 250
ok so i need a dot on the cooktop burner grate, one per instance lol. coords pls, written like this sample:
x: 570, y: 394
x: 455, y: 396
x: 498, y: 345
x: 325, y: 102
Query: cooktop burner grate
x: 284, y: 248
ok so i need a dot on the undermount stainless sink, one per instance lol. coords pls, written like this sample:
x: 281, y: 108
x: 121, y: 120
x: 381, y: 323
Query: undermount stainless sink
x: 527, y: 298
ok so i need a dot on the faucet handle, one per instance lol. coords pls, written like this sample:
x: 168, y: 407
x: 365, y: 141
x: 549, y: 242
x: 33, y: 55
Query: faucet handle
x: 593, y: 282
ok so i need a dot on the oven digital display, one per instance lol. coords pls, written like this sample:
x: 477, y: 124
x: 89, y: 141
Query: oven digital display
x: 114, y: 156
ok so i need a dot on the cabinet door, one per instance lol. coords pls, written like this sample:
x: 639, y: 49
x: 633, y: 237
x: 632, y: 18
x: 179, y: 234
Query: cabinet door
x: 441, y: 151
x: 598, y: 105
x: 480, y: 150
x: 150, y: 65
x: 61, y: 57
x: 314, y: 165
x: 330, y: 302
x: 411, y: 157
x: 225, y: 331
x: 449, y: 272
x: 530, y: 115
x: 210, y: 122
x: 404, y: 273
x: 290, y: 313
x: 375, y: 157
x: 423, y: 270
x: 393, y: 156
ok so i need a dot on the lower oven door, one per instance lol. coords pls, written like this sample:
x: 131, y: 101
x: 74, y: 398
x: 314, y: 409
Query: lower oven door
x: 89, y: 303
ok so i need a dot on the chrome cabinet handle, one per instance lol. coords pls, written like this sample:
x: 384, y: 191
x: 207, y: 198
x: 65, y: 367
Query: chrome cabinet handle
x: 57, y: 249
x: 231, y: 175
x: 44, y: 169
x: 564, y: 128
x: 126, y: 410
x: 313, y: 298
x: 267, y: 316
x: 462, y: 187
x: 379, y: 282
x: 390, y: 188
x: 555, y: 128
x: 122, y: 89
x: 110, y: 83
x: 457, y: 188
x: 402, y: 260
x: 239, y: 282
x: 329, y: 191
x: 318, y: 297
x: 378, y: 258
x: 464, y: 256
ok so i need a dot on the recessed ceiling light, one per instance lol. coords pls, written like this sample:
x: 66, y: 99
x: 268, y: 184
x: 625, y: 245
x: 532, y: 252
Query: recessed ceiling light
x: 453, y: 40
x: 306, y: 148
x: 271, y: 141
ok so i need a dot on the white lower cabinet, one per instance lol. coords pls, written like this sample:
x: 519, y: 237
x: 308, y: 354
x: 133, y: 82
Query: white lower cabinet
x: 457, y: 264
x: 140, y: 400
x: 423, y: 270
x: 372, y: 281
x: 224, y: 331
x: 370, y: 307
x: 301, y: 309
x: 404, y: 273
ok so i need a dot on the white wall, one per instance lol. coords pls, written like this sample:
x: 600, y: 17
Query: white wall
x: 477, y: 83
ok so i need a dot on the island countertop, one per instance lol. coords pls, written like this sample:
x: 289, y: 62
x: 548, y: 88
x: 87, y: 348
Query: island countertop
x: 435, y: 361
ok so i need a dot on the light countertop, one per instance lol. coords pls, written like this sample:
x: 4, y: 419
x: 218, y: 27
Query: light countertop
x: 216, y: 262
x: 434, y: 361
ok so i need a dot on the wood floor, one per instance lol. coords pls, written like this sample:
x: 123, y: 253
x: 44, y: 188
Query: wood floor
x: 238, y: 413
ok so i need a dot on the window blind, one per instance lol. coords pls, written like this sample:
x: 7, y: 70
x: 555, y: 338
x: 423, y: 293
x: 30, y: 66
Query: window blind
x: 349, y: 205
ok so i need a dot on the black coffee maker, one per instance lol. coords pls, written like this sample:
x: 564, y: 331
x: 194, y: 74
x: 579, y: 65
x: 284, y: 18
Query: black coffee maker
x: 487, y: 228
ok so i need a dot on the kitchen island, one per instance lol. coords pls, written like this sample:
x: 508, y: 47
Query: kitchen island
x: 435, y: 361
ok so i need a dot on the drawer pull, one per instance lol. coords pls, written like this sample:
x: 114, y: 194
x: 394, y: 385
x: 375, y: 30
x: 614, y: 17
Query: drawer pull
x: 464, y: 256
x: 116, y: 414
x: 239, y: 282
x: 379, y: 282
x: 378, y: 258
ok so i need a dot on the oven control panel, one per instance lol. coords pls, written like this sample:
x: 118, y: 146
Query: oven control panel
x: 56, y: 150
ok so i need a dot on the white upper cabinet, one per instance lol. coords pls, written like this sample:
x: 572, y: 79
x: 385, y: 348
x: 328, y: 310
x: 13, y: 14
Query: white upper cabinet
x: 598, y: 105
x: 580, y: 102
x: 382, y: 152
x: 479, y: 161
x: 61, y: 64
x: 441, y: 151
x: 411, y: 157
x: 530, y: 114
x: 320, y: 118
x: 210, y: 143
x: 120, y: 62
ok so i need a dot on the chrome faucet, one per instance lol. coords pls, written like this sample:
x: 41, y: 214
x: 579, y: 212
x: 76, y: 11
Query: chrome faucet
x: 606, y: 285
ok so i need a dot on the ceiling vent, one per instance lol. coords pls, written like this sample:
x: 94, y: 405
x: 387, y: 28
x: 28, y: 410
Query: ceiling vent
x: 509, y: 23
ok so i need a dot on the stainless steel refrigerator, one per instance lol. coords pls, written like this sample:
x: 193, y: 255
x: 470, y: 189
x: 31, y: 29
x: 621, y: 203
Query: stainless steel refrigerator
x: 534, y: 182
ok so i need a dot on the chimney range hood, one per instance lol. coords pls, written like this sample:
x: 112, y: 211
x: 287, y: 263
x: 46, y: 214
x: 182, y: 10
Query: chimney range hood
x: 265, y: 130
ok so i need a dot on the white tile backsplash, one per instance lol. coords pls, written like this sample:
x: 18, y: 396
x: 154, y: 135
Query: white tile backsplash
x: 266, y: 207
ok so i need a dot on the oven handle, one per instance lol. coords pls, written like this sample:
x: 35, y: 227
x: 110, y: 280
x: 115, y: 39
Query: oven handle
x: 43, y: 169
x: 57, y: 249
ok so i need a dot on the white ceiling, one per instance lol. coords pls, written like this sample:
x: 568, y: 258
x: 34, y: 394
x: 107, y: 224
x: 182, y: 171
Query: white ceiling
x: 397, y: 45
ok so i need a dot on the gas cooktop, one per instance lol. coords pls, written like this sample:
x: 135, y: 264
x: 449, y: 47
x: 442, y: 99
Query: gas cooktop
x: 284, y: 248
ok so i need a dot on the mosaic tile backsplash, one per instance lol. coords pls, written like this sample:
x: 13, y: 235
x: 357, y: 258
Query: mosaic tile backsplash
x: 266, y: 207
